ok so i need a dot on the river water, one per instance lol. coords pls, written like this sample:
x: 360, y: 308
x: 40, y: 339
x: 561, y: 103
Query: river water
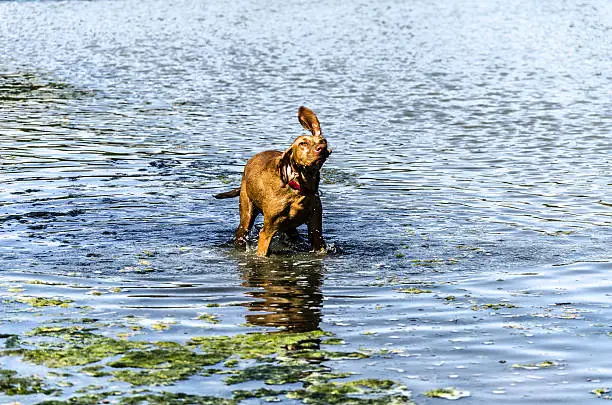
x: 472, y: 155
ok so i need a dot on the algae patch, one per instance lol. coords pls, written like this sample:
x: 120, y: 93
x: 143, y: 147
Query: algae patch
x: 358, y: 392
x: 536, y: 366
x: 161, y: 326
x: 274, y: 374
x: 76, y: 348
x: 494, y: 306
x: 254, y: 345
x: 12, y: 384
x: 162, y: 366
x: 270, y: 358
x: 208, y: 318
x: 171, y: 398
x: 413, y: 290
x: 38, y: 302
x: 603, y: 393
x: 324, y: 355
x: 447, y: 393
x: 263, y: 393
x: 89, y: 399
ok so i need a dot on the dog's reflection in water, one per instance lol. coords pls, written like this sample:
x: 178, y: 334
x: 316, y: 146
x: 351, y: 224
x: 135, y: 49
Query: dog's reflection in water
x: 287, y: 293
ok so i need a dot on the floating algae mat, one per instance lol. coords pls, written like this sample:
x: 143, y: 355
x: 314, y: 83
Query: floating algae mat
x: 274, y: 361
x: 95, y: 358
x: 12, y: 384
x: 447, y: 393
x: 44, y: 302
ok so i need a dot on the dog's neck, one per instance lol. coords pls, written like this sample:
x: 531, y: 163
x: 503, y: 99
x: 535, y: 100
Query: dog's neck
x: 303, y: 180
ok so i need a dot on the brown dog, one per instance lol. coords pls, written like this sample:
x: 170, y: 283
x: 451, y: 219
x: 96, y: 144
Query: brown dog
x: 284, y: 186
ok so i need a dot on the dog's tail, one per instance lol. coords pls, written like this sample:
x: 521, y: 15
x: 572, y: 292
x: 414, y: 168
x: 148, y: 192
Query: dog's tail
x: 228, y: 194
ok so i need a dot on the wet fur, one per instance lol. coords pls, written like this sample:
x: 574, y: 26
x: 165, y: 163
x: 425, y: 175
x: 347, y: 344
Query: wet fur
x: 284, y: 187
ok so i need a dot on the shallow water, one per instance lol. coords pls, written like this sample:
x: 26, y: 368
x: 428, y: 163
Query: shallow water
x: 471, y: 162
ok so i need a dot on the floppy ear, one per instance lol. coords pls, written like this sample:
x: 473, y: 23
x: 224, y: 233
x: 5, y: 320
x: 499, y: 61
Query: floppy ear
x: 284, y: 165
x: 309, y: 120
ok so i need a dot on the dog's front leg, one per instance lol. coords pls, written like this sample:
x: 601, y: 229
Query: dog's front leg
x: 270, y: 228
x: 315, y: 227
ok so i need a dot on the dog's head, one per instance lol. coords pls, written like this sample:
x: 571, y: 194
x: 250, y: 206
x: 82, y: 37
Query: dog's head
x: 308, y: 152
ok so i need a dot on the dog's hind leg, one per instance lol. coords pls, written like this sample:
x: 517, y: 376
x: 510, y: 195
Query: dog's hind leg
x: 248, y: 213
x: 293, y: 235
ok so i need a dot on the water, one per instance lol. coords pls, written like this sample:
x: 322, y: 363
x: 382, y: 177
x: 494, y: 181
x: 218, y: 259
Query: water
x: 471, y: 159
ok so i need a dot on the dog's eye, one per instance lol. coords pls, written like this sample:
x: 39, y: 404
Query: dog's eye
x: 303, y: 143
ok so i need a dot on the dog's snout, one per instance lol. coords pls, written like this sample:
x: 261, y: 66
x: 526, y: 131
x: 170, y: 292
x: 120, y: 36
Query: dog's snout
x: 321, y: 148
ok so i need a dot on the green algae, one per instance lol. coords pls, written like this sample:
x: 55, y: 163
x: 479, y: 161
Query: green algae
x: 38, y: 302
x: 294, y: 354
x: 494, y: 306
x: 156, y: 398
x: 41, y: 282
x: 332, y: 393
x: 12, y: 341
x: 12, y: 384
x: 154, y: 378
x: 602, y: 393
x: 162, y: 366
x: 263, y: 393
x: 231, y: 363
x: 447, y: 393
x: 95, y: 371
x: 254, y: 345
x: 58, y: 331
x: 413, y: 290
x: 89, y: 399
x: 161, y: 326
x: 323, y: 377
x: 274, y: 374
x: 209, y: 318
x: 171, y: 398
x: 78, y: 348
x: 165, y: 358
x: 75, y: 320
x: 373, y: 384
x: 536, y: 366
x: 161, y: 363
x: 284, y: 358
x: 323, y: 355
x: 333, y: 341
x: 89, y: 388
